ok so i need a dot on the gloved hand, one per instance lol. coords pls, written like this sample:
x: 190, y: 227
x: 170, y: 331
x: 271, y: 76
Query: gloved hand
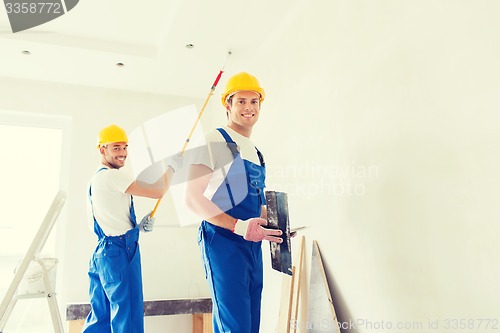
x: 253, y: 231
x: 147, y: 223
x: 176, y: 163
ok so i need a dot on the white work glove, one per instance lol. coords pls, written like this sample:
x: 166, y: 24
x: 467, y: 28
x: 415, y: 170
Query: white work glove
x: 147, y: 223
x: 253, y: 231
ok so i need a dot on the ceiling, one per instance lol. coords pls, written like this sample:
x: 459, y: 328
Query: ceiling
x: 84, y: 45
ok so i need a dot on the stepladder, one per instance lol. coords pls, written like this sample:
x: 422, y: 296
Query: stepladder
x: 35, y: 276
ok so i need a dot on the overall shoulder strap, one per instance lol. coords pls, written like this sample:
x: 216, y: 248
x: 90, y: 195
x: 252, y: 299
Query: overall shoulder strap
x: 97, y: 229
x: 90, y: 186
x: 233, y: 147
x: 261, y: 158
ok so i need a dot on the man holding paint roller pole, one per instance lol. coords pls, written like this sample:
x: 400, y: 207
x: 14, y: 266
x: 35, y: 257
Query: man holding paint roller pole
x: 230, y: 198
x: 116, y: 297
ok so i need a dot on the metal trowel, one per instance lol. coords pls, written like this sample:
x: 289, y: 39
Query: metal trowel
x: 277, y: 218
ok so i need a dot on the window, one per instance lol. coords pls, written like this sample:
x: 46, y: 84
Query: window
x: 31, y: 146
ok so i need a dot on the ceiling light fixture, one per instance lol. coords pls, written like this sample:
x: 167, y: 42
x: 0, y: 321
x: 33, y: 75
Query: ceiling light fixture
x: 26, y: 52
x: 120, y: 64
x: 189, y: 46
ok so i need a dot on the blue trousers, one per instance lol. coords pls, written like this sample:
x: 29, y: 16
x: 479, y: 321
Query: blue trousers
x: 116, y: 294
x: 233, y: 268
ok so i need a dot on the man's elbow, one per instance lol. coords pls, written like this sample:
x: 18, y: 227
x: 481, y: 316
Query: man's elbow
x: 188, y: 200
x: 191, y: 202
x: 157, y: 194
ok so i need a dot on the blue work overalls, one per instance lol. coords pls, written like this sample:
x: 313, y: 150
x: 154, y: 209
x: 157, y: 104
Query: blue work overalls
x: 233, y: 266
x: 116, y: 298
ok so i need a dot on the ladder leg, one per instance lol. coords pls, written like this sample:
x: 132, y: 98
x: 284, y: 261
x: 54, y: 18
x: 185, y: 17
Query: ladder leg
x: 10, y: 295
x: 36, y: 246
x: 54, y: 313
x: 7, y: 313
x: 51, y: 299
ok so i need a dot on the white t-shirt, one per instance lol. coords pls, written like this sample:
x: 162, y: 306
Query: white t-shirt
x: 110, y: 203
x: 219, y: 158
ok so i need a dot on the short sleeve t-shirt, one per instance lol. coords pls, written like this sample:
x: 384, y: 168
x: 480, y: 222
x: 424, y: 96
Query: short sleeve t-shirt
x: 110, y: 203
x: 219, y: 158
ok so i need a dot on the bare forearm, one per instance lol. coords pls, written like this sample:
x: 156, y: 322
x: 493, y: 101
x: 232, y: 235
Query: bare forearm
x: 209, y: 211
x: 156, y: 190
x: 263, y: 213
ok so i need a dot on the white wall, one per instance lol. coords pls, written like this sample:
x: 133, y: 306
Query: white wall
x: 411, y: 93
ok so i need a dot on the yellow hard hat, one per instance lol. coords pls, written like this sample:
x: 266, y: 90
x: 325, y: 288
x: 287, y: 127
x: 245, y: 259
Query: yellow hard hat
x: 111, y: 134
x: 242, y: 82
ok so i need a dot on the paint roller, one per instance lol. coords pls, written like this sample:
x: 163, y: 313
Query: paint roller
x: 212, y: 89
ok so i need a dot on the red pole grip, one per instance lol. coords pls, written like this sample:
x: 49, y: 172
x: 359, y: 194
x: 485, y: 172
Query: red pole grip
x: 217, y: 80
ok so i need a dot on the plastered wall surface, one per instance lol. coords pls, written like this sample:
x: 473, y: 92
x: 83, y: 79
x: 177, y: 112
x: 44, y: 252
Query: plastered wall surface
x: 388, y: 149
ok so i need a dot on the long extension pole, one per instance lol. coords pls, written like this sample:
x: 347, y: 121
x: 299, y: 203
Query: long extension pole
x: 212, y: 89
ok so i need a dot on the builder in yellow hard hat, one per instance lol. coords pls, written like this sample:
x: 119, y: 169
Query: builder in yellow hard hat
x: 116, y: 297
x: 232, y: 206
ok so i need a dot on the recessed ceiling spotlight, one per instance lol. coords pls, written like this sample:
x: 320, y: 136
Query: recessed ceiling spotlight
x: 26, y: 52
x: 120, y: 64
x: 189, y: 46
